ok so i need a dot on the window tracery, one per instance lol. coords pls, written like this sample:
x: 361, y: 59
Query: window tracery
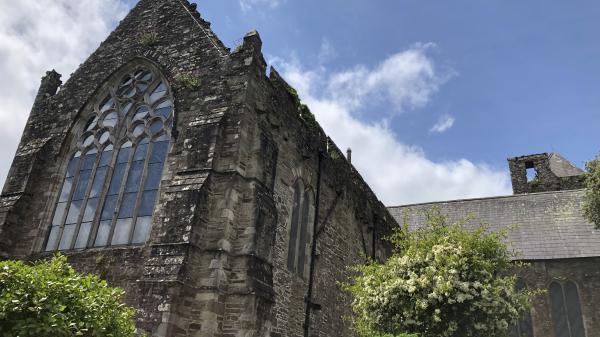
x: 112, y: 178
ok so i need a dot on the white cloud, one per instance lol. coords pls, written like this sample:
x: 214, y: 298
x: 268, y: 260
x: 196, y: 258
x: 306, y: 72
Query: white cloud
x: 407, y: 80
x: 248, y: 5
x: 397, y: 172
x: 36, y: 36
x: 444, y: 123
x: 326, y: 52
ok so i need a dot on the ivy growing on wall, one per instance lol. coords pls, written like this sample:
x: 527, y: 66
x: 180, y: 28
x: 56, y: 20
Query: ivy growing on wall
x: 591, y: 199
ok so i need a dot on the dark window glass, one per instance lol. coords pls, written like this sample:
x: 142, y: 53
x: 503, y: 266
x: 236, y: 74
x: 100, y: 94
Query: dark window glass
x: 559, y: 316
x: 159, y: 152
x: 67, y: 237
x: 74, y: 211
x: 82, y: 184
x: 142, y: 229
x: 88, y: 161
x: 147, y: 204
x: 574, y: 310
x: 98, y: 182
x: 127, y: 205
x: 134, y: 177
x: 102, y: 235
x: 83, y: 235
x: 124, y: 155
x: 105, y: 158
x: 66, y: 190
x: 294, y: 228
x: 53, y: 238
x: 122, y: 231
x: 59, y: 213
x: 90, y: 210
x: 72, y: 168
x: 109, y: 207
x: 164, y: 112
x: 117, y: 178
x: 140, y: 152
x: 123, y: 111
x: 153, y: 177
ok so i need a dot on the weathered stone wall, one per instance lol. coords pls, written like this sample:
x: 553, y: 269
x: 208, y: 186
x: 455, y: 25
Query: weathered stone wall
x: 584, y: 272
x: 545, y: 179
x: 215, y: 263
x: 550, y: 233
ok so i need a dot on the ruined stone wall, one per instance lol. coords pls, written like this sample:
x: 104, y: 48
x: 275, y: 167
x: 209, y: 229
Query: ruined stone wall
x: 351, y: 221
x: 584, y: 272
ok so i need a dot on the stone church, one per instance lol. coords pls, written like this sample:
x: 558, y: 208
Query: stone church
x: 193, y: 177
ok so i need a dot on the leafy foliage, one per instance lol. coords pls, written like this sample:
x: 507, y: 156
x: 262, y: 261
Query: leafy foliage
x: 441, y: 281
x: 149, y: 39
x: 303, y: 109
x: 49, y: 298
x: 188, y: 81
x: 591, y: 200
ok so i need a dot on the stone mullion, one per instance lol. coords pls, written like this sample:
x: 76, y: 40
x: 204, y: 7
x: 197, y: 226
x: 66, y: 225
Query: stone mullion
x: 120, y: 195
x: 86, y: 196
x: 68, y: 202
x: 140, y: 191
x: 101, y: 198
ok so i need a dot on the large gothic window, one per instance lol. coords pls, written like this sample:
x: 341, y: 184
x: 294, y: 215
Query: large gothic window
x: 113, y: 174
x: 299, y: 228
x: 566, y: 310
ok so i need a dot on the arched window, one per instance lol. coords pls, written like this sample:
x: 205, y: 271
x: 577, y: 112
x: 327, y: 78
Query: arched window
x: 524, y: 327
x: 566, y: 310
x: 112, y: 178
x: 299, y: 228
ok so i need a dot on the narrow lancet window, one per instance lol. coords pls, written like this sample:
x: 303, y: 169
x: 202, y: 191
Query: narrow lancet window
x: 299, y: 228
x: 566, y: 310
x: 112, y: 178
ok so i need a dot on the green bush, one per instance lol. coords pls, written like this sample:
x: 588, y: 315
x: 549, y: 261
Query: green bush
x: 48, y: 298
x: 441, y: 281
x: 591, y: 200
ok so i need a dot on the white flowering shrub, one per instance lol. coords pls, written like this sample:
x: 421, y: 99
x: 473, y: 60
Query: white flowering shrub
x: 442, y: 281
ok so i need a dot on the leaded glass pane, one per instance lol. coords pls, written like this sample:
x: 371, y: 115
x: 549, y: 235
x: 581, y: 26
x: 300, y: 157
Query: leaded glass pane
x: 109, y: 207
x: 574, y: 310
x: 147, y: 204
x: 67, y: 237
x: 102, y: 235
x: 114, y: 120
x: 142, y: 229
x: 117, y: 178
x: 66, y: 190
x: 127, y: 205
x: 90, y: 210
x: 72, y: 168
x: 53, y: 238
x: 59, y: 213
x: 159, y: 152
x: 122, y: 231
x: 153, y: 176
x: 124, y: 154
x: 84, y: 234
x: 84, y: 177
x: 74, y: 210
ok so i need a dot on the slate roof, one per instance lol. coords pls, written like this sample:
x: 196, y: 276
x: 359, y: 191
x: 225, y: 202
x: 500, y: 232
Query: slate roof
x: 550, y: 224
x: 562, y: 167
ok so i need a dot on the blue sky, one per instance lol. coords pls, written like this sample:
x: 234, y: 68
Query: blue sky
x: 527, y: 73
x: 432, y: 96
